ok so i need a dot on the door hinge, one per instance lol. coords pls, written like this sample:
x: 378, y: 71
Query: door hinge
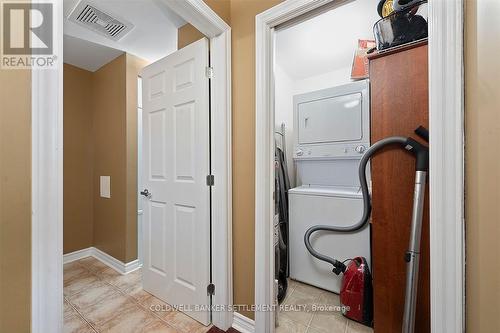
x: 211, y: 289
x: 210, y: 180
x: 209, y: 72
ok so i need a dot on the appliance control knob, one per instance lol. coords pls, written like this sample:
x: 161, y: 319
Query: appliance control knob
x: 360, y: 149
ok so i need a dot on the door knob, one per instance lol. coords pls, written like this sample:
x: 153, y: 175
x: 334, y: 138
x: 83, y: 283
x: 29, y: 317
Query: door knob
x: 146, y: 193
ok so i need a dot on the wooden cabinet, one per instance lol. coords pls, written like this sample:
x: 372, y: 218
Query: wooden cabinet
x: 399, y: 104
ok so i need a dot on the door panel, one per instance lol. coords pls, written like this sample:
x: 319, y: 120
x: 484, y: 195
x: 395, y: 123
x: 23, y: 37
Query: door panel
x: 184, y: 142
x: 176, y: 163
x: 157, y: 236
x: 157, y: 140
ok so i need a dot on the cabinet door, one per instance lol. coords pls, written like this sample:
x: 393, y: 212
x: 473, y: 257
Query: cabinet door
x: 399, y: 104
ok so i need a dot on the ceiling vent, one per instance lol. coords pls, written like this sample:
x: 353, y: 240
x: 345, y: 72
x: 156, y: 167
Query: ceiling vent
x: 89, y: 16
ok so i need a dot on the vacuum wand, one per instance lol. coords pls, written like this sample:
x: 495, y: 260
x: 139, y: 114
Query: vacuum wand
x: 412, y: 257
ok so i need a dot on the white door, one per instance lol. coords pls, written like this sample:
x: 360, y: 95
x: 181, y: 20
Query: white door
x: 175, y: 166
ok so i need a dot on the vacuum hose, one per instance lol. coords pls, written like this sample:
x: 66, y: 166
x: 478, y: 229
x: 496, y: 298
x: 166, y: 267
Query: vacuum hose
x: 339, y: 267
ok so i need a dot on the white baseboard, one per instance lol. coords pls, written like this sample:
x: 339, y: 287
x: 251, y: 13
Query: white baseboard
x: 77, y: 255
x: 117, y: 265
x: 243, y: 324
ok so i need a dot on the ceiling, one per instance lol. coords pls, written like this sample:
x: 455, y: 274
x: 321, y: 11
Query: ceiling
x: 326, y: 42
x: 87, y: 55
x: 153, y: 37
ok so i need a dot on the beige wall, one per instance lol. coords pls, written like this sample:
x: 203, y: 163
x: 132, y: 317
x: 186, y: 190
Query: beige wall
x: 243, y: 72
x: 15, y: 200
x: 482, y: 165
x: 109, y: 138
x: 101, y: 125
x: 242, y: 20
x: 188, y: 34
x: 78, y: 159
x: 223, y: 8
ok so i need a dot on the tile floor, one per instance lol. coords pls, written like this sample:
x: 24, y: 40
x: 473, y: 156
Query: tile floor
x: 99, y: 299
x: 306, y: 320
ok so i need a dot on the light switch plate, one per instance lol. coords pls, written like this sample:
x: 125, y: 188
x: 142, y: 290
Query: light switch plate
x: 105, y: 187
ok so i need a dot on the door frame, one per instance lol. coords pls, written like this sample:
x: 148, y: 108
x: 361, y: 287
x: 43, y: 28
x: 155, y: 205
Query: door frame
x: 47, y: 172
x: 446, y: 126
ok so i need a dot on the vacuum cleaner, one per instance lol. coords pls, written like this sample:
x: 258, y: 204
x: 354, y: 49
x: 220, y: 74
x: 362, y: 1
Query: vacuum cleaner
x: 356, y: 294
x: 402, y: 22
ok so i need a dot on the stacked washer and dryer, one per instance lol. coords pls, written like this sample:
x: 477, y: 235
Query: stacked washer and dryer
x: 331, y: 133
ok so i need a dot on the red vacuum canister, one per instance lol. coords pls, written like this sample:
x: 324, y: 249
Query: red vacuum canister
x: 356, y: 293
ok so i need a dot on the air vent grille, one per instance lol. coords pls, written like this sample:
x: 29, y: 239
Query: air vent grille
x: 89, y: 16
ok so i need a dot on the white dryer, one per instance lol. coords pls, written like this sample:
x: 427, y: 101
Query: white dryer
x: 313, y: 205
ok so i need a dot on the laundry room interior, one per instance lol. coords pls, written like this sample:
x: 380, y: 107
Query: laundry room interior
x: 336, y: 94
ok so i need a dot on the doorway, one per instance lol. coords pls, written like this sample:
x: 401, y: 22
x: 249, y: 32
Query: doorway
x: 45, y: 315
x: 321, y: 116
x: 176, y: 224
x: 440, y: 132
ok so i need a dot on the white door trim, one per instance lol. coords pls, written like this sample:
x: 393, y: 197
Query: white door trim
x: 47, y: 181
x: 446, y: 160
x: 446, y: 176
x: 47, y: 191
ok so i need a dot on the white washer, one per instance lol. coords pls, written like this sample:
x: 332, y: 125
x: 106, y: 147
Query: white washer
x: 329, y: 205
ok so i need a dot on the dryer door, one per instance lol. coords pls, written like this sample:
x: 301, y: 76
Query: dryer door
x: 330, y: 120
